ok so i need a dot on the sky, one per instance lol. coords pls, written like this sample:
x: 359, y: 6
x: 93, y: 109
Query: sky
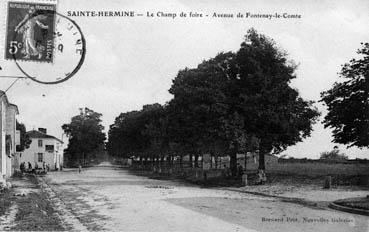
x: 131, y: 62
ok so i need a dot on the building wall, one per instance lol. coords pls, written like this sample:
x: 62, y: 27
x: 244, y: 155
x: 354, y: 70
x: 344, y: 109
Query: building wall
x: 2, y: 137
x: 10, y: 127
x: 7, y: 128
x: 252, y: 162
x: 50, y: 158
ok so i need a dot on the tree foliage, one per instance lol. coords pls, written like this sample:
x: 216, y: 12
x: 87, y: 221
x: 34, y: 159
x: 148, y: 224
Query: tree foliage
x: 333, y: 155
x: 137, y: 132
x: 274, y: 112
x: 348, y: 102
x: 85, y: 134
x: 232, y: 103
x: 25, y: 141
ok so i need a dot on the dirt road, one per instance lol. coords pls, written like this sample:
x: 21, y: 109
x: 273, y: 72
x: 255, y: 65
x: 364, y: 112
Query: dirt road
x: 110, y: 198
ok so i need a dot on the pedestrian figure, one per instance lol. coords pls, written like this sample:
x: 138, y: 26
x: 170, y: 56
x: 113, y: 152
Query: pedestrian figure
x: 22, y: 167
x: 226, y: 171
x: 79, y: 168
x: 29, y: 166
x: 239, y: 171
x: 36, y: 168
x: 44, y: 166
x: 261, y: 177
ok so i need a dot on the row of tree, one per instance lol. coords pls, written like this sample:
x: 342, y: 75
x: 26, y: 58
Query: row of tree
x: 232, y: 103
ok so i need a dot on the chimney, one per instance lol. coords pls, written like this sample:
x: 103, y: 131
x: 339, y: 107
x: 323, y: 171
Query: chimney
x: 43, y: 130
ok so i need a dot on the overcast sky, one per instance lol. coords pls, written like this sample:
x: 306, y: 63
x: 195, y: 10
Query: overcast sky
x: 132, y: 61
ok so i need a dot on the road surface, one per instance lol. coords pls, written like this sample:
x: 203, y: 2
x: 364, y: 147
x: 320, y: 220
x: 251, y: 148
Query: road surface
x: 110, y: 198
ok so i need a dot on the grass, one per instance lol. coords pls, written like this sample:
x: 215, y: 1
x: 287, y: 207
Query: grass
x: 6, y: 200
x: 36, y: 213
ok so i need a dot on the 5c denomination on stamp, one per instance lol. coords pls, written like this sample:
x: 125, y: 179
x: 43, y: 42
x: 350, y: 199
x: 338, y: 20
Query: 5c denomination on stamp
x: 30, y: 32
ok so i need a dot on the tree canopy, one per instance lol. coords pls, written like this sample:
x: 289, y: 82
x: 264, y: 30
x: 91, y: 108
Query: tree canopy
x: 232, y: 103
x: 348, y: 102
x: 274, y: 112
x: 137, y: 132
x: 25, y: 141
x: 85, y: 134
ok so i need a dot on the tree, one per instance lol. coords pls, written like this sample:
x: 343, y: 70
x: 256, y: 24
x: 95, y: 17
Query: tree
x: 138, y: 133
x: 273, y: 111
x: 333, y: 155
x: 25, y: 141
x: 348, y: 102
x: 206, y: 122
x: 235, y: 102
x: 156, y: 130
x: 86, y: 136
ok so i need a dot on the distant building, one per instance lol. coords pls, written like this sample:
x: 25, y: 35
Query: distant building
x: 43, y: 148
x: 8, y: 136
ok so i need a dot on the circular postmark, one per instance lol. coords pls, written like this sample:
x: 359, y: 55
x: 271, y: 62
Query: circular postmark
x: 47, y: 47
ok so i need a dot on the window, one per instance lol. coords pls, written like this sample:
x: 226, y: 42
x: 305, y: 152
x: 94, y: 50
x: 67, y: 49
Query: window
x: 39, y: 157
x: 8, y: 145
x: 40, y: 143
x: 49, y: 148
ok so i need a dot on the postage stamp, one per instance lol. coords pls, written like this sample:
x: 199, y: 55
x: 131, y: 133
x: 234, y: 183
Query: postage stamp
x: 30, y: 31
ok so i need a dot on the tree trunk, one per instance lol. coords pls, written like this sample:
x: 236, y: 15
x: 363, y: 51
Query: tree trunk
x: 233, y: 162
x: 83, y: 157
x: 261, y: 160
x: 172, y: 161
x: 168, y: 160
x: 245, y: 161
x: 211, y: 160
x: 265, y: 146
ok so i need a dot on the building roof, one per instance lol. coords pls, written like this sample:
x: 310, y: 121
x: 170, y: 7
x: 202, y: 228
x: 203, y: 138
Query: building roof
x: 39, y: 135
x: 3, y: 94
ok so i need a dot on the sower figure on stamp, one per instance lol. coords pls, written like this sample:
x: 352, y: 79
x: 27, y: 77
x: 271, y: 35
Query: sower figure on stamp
x: 27, y: 28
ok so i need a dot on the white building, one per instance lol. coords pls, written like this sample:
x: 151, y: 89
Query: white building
x: 43, y: 148
x: 8, y: 112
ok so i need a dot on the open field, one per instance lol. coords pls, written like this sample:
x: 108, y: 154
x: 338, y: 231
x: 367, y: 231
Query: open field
x: 319, y: 169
